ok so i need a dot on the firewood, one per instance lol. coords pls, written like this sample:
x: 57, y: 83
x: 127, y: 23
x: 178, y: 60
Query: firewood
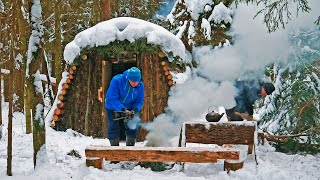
x: 55, y: 118
x: 170, y: 82
x: 166, y: 73
x: 60, y: 105
x: 74, y: 67
x: 169, y: 76
x: 163, y: 63
x: 84, y: 57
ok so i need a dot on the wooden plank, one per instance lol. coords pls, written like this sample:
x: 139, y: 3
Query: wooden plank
x: 241, y: 132
x: 162, y: 154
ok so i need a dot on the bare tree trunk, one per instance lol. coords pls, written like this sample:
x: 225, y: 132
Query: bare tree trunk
x: 9, y: 149
x: 1, y: 40
x: 105, y: 9
x: 25, y: 30
x: 34, y: 84
x: 10, y: 114
x: 57, y: 48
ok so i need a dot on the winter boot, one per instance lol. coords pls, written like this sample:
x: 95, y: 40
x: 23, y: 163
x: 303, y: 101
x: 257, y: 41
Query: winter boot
x: 130, y: 141
x: 114, y: 142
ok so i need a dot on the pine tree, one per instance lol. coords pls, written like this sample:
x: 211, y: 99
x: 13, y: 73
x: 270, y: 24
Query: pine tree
x: 295, y: 106
x: 200, y: 26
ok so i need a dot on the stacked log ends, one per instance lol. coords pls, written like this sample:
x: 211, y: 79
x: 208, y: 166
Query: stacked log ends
x: 61, y: 97
x: 55, y: 118
x: 58, y: 111
x: 161, y: 54
x: 52, y: 125
x: 167, y: 73
x: 65, y: 86
x: 84, y: 57
x: 60, y: 105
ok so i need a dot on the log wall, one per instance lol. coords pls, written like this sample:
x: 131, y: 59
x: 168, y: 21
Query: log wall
x: 87, y: 80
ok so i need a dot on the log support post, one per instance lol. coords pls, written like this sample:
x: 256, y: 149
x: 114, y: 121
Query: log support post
x: 96, y: 162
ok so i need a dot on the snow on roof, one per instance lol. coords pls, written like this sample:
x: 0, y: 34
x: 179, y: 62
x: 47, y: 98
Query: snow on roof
x: 125, y: 28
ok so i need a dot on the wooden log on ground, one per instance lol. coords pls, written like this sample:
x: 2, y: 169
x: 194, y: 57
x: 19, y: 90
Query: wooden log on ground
x: 95, y: 162
x: 162, y: 154
x: 169, y: 76
x: 166, y: 73
x: 232, y: 166
x: 241, y: 132
x: 163, y: 63
x: 74, y: 67
x: 170, y: 82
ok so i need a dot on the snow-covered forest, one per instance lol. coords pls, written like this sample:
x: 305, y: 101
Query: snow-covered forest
x: 58, y: 58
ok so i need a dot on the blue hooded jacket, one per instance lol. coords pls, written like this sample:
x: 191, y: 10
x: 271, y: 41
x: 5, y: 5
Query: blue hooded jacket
x: 121, y: 95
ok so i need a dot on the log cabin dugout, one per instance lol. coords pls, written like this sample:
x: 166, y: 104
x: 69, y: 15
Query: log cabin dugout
x: 90, y: 82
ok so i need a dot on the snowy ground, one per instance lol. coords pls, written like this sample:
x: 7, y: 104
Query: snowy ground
x: 58, y: 165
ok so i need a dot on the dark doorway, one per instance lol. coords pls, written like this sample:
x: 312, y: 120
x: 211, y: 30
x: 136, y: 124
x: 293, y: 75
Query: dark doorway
x: 119, y: 68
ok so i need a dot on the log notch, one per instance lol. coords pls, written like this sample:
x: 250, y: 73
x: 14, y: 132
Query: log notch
x: 161, y: 154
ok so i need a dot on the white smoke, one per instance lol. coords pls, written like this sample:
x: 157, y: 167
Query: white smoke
x: 210, y: 83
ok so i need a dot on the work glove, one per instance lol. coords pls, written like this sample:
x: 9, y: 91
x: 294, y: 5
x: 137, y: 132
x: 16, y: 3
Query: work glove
x: 127, y: 114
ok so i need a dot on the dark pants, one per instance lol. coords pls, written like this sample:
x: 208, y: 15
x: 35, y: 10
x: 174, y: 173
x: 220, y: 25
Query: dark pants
x: 114, y: 127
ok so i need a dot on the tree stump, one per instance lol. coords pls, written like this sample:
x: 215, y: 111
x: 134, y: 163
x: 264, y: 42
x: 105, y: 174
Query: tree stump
x: 95, y: 162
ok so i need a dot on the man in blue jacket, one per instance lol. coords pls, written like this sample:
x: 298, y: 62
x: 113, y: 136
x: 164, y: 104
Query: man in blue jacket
x: 248, y: 93
x: 125, y: 95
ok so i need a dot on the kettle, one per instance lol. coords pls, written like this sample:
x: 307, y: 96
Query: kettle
x: 213, y: 116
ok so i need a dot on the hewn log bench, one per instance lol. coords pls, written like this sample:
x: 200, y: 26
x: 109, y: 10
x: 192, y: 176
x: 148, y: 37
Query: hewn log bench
x: 96, y: 154
x: 233, y: 133
x: 204, y: 133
